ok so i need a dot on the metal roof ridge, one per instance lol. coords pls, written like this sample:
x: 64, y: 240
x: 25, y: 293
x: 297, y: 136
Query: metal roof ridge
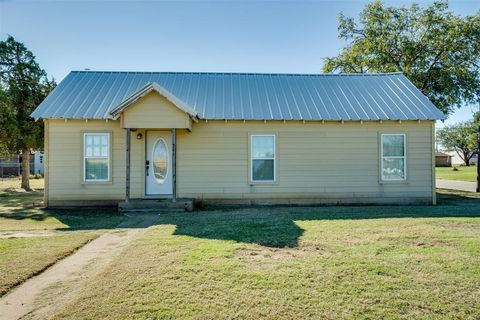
x: 241, y: 73
x: 365, y: 96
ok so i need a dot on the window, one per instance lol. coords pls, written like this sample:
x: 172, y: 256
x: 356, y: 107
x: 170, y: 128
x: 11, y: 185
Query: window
x: 96, y: 157
x: 262, y: 155
x: 393, y: 157
x: 160, y: 160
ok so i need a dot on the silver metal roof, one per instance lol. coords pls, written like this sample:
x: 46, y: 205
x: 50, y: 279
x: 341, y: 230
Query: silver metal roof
x: 247, y: 96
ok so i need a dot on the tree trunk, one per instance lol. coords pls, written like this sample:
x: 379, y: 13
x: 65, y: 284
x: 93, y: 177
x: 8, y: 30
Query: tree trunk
x: 26, y: 170
x: 466, y: 159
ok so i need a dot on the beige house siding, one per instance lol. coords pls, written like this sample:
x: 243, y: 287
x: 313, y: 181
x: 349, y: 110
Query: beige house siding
x: 65, y: 161
x: 330, y: 162
x: 314, y: 160
x: 155, y: 111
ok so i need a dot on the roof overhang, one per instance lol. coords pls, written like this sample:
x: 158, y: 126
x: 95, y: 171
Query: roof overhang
x: 149, y: 87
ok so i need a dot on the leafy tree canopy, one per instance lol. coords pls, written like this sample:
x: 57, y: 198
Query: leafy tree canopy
x: 437, y: 50
x: 461, y: 138
x: 23, y: 85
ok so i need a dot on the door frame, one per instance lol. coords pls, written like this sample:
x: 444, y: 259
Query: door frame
x: 145, y: 157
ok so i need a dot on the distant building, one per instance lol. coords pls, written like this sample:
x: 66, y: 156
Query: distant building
x: 12, y: 166
x: 443, y: 159
x: 37, y: 163
x: 457, y: 161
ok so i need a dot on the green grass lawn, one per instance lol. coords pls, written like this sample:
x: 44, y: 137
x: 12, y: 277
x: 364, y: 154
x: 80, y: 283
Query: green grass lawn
x: 296, y: 263
x: 14, y: 183
x: 21, y: 257
x: 20, y: 210
x: 463, y: 173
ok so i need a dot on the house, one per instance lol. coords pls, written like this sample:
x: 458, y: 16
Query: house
x: 238, y: 138
x: 442, y: 159
x: 458, y: 161
x: 12, y: 166
x: 36, y: 166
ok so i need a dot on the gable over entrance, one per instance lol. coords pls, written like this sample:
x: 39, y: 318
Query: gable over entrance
x: 153, y: 107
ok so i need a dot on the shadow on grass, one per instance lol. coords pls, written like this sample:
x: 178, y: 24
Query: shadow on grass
x: 275, y: 226
x: 23, y: 206
x: 73, y: 219
x: 15, y: 198
x: 267, y: 226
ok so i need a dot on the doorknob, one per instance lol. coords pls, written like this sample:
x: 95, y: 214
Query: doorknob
x: 147, y: 165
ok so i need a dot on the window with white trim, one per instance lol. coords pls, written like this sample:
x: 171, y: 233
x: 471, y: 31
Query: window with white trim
x: 262, y: 154
x: 96, y: 157
x: 393, y: 160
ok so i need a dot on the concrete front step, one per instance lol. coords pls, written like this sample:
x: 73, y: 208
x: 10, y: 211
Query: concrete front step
x: 153, y: 205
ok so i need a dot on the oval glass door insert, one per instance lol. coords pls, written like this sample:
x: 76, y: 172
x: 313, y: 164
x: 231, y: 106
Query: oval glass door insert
x: 160, y: 160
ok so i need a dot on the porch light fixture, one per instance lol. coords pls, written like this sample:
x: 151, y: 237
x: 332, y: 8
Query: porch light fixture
x: 139, y: 136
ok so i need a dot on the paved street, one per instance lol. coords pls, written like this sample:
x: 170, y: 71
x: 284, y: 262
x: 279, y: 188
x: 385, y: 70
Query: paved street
x: 457, y: 185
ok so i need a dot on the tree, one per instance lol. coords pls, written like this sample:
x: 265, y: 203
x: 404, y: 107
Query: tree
x: 23, y: 85
x: 461, y: 138
x: 435, y: 49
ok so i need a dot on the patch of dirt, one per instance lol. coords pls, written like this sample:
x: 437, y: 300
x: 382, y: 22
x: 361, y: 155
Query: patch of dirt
x: 426, y: 243
x: 455, y: 225
x: 264, y: 258
x: 27, y: 234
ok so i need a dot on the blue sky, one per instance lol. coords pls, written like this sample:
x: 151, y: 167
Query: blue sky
x: 223, y: 36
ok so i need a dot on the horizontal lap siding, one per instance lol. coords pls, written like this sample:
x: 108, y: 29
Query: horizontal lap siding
x: 313, y: 159
x: 65, y: 162
x: 154, y: 111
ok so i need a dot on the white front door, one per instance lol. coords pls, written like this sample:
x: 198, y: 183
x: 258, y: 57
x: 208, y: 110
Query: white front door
x: 158, y: 165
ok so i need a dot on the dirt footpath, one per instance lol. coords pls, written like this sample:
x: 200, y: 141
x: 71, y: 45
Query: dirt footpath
x: 40, y: 296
